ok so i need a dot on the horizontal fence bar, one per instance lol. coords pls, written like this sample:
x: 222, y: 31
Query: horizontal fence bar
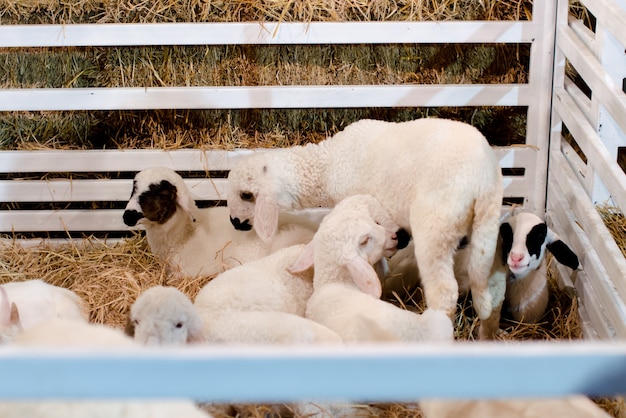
x: 264, y: 97
x: 110, y: 161
x: 266, y: 33
x: 104, y: 190
x: 397, y: 373
x: 71, y: 220
x: 380, y: 373
x: 93, y: 161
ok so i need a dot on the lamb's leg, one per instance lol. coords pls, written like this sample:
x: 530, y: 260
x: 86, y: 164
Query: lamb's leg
x: 435, y: 255
x: 490, y: 327
x: 487, y: 290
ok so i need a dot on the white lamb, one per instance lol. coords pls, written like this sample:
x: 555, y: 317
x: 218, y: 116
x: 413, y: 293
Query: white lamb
x: 67, y: 333
x: 25, y: 304
x: 439, y: 179
x: 199, y: 242
x: 347, y: 288
x: 164, y: 315
x: 258, y: 302
x: 261, y: 302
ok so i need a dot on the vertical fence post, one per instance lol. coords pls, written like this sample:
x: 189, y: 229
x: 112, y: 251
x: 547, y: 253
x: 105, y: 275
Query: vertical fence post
x: 540, y: 81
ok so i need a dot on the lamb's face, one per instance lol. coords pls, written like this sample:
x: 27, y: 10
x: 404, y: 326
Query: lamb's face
x: 355, y: 234
x: 163, y: 316
x: 371, y: 207
x: 154, y: 197
x: 524, y: 240
x: 247, y: 183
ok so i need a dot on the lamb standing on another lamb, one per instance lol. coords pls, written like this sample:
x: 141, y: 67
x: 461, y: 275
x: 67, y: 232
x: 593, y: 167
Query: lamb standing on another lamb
x: 347, y: 288
x: 438, y: 179
x: 199, y: 242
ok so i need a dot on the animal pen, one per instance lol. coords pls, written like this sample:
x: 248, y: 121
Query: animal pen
x: 574, y: 131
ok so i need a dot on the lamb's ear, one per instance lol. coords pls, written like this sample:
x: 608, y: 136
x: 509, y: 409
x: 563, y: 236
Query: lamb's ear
x: 561, y: 251
x: 265, y: 217
x: 365, y: 277
x: 304, y: 261
x: 184, y: 201
x: 15, y: 316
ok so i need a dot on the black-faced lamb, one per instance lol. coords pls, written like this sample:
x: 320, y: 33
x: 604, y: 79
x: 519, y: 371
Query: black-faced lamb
x: 68, y: 333
x: 197, y: 242
x: 347, y: 288
x: 524, y: 239
x: 520, y: 259
x: 439, y: 179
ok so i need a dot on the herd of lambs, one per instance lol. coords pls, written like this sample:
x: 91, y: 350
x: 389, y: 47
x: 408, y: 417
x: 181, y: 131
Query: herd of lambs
x: 310, y: 238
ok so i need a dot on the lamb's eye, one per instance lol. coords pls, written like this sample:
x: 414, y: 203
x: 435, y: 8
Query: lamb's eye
x: 179, y: 325
x: 246, y: 196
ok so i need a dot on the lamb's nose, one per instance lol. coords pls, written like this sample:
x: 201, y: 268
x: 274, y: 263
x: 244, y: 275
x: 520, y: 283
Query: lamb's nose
x: 516, y: 258
x: 240, y: 226
x: 131, y: 217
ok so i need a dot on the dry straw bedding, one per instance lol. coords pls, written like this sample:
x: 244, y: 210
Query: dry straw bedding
x: 110, y: 276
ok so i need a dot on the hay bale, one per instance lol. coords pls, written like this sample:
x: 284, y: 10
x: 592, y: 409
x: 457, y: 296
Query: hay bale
x: 135, y: 11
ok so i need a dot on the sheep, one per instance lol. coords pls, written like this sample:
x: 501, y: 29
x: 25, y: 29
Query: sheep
x: 439, y: 179
x: 346, y: 287
x: 198, y: 242
x: 69, y: 333
x: 257, y: 302
x: 261, y: 302
x: 520, y: 259
x: 29, y: 302
x: 163, y: 315
x: 525, y: 237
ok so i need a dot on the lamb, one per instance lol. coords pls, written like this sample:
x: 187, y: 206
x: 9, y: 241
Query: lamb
x: 520, y: 259
x: 257, y: 302
x: 198, y: 242
x: 58, y: 332
x: 25, y: 304
x: 347, y: 288
x: 261, y: 302
x: 163, y: 315
x: 524, y: 240
x: 438, y: 179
